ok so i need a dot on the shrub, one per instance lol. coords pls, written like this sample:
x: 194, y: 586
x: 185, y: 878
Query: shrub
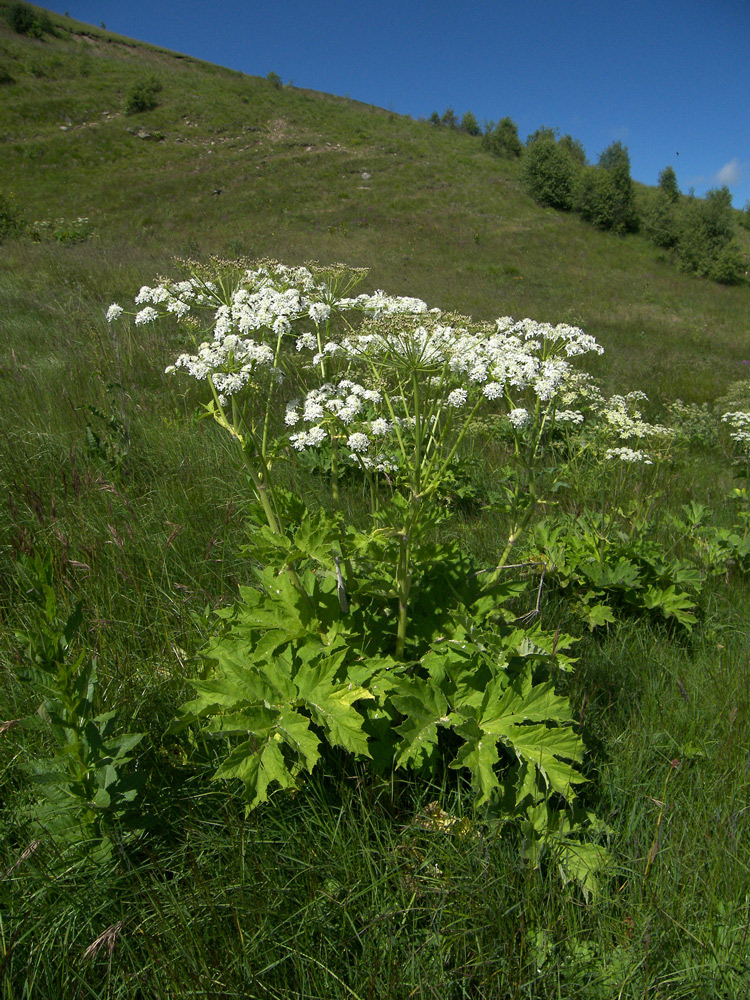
x: 668, y: 184
x: 705, y: 245
x: 745, y: 216
x: 615, y: 160
x: 660, y: 222
x: 575, y: 149
x: 549, y: 173
x: 593, y: 197
x: 275, y: 80
x: 449, y: 118
x: 502, y: 139
x: 728, y: 265
x: 142, y: 96
x: 26, y: 21
x: 470, y: 124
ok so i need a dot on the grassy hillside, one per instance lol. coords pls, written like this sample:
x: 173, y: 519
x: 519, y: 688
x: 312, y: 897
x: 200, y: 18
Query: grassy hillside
x: 436, y: 217
x: 387, y: 887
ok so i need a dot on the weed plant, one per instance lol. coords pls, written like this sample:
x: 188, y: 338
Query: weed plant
x: 352, y: 886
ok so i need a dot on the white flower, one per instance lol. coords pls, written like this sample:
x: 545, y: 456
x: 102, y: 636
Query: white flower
x: 740, y: 424
x: 308, y: 439
x: 569, y: 417
x: 358, y: 442
x: 319, y: 312
x: 629, y: 455
x: 114, y: 312
x: 457, y: 398
x: 146, y: 315
x: 493, y: 390
x: 313, y: 411
x: 519, y: 417
x: 308, y: 341
x: 380, y: 426
x: 178, y: 307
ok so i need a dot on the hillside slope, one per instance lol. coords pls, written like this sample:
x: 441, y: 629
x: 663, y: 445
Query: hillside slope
x: 229, y: 164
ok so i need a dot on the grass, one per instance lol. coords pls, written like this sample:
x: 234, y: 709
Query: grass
x: 342, y: 890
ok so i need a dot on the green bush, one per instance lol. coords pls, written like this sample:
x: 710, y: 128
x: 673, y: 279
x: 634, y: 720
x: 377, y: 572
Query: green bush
x: 603, y: 195
x: 65, y: 231
x: 549, y: 173
x: 668, y: 184
x: 745, y: 216
x: 275, y: 80
x: 575, y: 148
x: 660, y: 221
x: 470, y: 124
x: 142, y: 96
x: 26, y: 21
x: 593, y: 197
x: 449, y: 118
x: 620, y: 213
x: 502, y: 139
x: 705, y: 244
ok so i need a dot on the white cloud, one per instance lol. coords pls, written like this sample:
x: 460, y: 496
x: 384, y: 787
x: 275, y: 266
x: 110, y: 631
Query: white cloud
x: 730, y: 173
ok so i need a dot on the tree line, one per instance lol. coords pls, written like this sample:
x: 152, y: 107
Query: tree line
x: 698, y: 233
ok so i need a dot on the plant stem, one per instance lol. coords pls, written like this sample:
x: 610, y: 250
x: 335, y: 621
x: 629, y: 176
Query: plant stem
x: 513, y: 538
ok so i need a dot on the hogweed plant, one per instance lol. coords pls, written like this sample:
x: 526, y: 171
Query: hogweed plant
x: 383, y: 641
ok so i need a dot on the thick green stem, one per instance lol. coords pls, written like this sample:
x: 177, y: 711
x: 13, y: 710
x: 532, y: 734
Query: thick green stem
x: 334, y: 472
x: 403, y: 586
x: 513, y: 538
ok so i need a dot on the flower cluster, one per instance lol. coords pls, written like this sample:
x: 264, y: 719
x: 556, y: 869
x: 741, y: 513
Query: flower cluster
x: 739, y: 423
x: 629, y: 455
x: 230, y: 362
x: 623, y: 417
x: 331, y: 409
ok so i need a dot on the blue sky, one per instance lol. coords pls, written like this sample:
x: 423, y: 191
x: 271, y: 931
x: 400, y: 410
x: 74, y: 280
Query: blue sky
x: 670, y: 79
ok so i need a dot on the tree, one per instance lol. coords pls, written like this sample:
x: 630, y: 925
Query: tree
x: 549, y: 173
x: 594, y: 197
x: 434, y: 118
x: 575, y: 148
x: 502, y: 139
x: 668, y: 184
x: 615, y: 161
x: 543, y: 132
x: 470, y: 124
x: 660, y: 221
x: 705, y: 244
x: 449, y: 118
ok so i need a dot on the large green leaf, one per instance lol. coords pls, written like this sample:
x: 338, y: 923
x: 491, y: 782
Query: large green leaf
x: 425, y: 707
x: 479, y: 753
x: 330, y: 703
x: 295, y: 731
x: 545, y: 748
x: 257, y: 769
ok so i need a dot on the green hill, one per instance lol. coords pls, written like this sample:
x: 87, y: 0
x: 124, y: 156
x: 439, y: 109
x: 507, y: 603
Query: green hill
x: 229, y: 164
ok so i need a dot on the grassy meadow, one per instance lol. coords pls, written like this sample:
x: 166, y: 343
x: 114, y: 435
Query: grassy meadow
x: 348, y: 887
